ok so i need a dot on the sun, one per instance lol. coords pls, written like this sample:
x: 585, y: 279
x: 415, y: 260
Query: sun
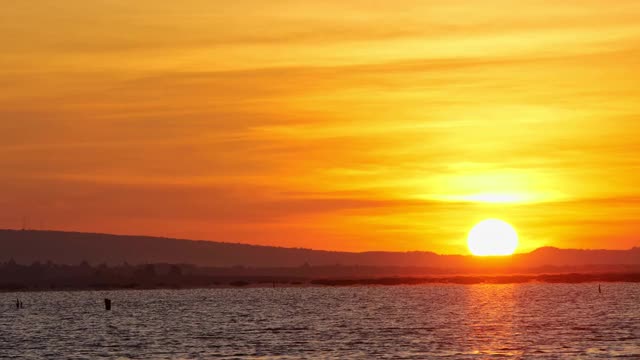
x: 492, y: 237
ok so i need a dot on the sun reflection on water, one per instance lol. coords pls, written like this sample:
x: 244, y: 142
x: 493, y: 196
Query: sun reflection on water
x: 494, y: 304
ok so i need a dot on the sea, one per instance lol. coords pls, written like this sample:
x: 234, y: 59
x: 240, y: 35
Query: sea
x: 485, y: 321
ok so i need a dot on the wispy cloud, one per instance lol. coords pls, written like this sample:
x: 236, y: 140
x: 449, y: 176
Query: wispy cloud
x: 391, y: 126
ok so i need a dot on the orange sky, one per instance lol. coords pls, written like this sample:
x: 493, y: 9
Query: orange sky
x: 347, y: 125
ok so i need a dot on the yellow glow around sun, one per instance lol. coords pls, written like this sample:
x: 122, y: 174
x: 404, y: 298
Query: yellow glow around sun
x: 492, y: 237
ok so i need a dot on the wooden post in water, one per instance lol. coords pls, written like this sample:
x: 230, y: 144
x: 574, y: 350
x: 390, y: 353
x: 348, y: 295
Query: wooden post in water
x: 107, y: 304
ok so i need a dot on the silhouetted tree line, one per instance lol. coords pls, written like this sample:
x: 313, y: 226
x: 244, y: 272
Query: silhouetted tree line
x: 42, y: 276
x: 39, y: 276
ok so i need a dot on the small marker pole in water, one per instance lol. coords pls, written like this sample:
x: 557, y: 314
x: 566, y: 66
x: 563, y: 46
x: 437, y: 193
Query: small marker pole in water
x: 107, y: 304
x: 599, y: 289
x: 17, y: 303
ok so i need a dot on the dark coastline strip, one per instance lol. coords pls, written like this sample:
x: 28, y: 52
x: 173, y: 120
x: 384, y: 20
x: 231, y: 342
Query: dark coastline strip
x: 570, y: 278
x: 573, y: 278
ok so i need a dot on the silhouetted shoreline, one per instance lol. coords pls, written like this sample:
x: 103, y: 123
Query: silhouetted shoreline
x: 49, y: 276
x: 54, y: 260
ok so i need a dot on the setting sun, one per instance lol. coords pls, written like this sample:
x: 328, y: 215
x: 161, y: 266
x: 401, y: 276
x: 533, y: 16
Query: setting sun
x: 492, y: 237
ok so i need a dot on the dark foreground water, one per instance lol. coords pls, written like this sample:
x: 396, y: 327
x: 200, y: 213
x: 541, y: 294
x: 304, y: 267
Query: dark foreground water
x: 525, y: 321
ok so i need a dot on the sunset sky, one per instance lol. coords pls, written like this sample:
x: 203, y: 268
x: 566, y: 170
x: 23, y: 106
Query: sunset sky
x: 342, y: 125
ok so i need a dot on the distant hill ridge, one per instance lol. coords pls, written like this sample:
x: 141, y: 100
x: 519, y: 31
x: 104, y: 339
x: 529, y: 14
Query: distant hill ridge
x: 73, y: 247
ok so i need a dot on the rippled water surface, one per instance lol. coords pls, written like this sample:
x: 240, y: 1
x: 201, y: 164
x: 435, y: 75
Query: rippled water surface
x: 467, y: 322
